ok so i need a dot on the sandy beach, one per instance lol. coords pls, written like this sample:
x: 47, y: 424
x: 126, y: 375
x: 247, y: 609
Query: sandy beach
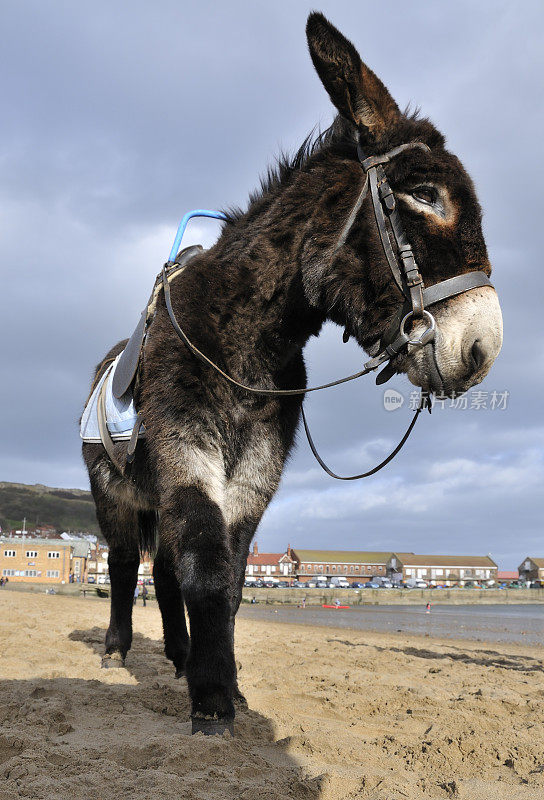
x: 333, y: 714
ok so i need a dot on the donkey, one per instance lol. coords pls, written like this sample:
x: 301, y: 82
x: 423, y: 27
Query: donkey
x: 213, y: 454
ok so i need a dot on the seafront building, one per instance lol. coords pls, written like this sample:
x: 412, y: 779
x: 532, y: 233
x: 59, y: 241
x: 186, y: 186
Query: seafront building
x: 362, y: 566
x: 43, y: 560
x: 63, y: 560
x: 270, y: 565
x: 351, y: 564
x: 443, y: 570
x: 531, y: 569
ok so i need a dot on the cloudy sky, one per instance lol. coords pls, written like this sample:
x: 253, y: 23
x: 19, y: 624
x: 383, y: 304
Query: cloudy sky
x: 118, y: 117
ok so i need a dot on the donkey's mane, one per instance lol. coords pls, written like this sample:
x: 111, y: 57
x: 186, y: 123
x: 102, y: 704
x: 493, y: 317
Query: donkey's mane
x: 338, y: 139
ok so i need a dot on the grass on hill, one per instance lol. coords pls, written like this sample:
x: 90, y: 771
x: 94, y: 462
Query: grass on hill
x: 65, y: 509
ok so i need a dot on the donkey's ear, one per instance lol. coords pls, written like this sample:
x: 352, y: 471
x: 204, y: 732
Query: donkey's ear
x: 356, y: 92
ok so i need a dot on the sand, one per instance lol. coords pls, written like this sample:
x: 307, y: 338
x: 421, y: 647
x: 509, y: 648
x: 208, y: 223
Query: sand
x: 334, y: 714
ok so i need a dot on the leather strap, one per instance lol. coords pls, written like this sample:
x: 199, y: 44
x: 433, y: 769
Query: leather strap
x: 454, y: 286
x: 253, y: 389
x: 105, y: 436
x: 370, y: 472
x: 133, y: 441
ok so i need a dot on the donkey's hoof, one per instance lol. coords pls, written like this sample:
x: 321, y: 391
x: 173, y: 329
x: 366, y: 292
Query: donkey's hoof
x: 239, y: 699
x: 180, y: 673
x: 212, y: 727
x: 112, y: 661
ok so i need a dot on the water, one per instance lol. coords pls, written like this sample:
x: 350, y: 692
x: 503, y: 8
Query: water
x: 523, y: 624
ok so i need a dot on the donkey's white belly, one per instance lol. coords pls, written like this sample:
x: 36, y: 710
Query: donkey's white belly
x: 120, y: 412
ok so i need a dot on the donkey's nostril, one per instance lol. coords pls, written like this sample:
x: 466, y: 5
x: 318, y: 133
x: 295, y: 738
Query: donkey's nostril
x: 477, y: 354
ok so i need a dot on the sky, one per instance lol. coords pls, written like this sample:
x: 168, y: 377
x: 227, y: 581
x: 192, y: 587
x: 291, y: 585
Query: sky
x: 119, y: 117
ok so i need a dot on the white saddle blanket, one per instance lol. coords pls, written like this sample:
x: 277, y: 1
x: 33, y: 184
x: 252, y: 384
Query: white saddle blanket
x: 120, y: 413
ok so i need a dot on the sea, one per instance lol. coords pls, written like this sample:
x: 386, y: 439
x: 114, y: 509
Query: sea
x: 522, y: 624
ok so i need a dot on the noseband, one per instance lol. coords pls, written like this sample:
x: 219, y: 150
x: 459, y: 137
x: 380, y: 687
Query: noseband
x: 406, y: 275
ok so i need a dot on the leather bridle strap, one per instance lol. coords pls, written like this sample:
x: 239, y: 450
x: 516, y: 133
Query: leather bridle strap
x: 253, y: 389
x: 372, y: 471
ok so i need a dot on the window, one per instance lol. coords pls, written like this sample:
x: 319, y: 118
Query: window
x: 356, y: 569
x: 334, y: 567
x: 9, y: 553
x: 30, y: 573
x: 53, y: 554
x: 351, y: 570
x: 9, y: 572
x: 31, y: 554
x: 52, y: 573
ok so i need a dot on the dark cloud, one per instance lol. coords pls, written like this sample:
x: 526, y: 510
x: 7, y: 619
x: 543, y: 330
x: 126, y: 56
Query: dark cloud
x: 115, y: 123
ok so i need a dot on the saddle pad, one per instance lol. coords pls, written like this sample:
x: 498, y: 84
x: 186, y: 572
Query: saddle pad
x: 120, y: 412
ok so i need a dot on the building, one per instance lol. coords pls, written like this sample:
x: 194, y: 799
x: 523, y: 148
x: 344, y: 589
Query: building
x: 531, y: 569
x: 270, y: 565
x: 351, y: 564
x: 145, y: 570
x: 80, y: 556
x: 507, y: 576
x: 97, y: 566
x: 43, y: 560
x: 444, y: 570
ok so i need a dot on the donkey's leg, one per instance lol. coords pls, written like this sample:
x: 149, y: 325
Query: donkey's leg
x: 249, y: 490
x: 170, y: 599
x: 119, y: 526
x: 194, y: 527
x: 241, y: 534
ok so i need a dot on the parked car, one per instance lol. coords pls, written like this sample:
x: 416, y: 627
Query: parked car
x: 371, y: 585
x: 386, y: 584
x: 270, y: 584
x: 282, y: 584
x: 299, y: 585
x: 357, y: 585
x: 415, y: 583
x: 339, y: 583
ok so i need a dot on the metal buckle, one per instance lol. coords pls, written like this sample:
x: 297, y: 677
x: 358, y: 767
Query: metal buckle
x: 427, y: 335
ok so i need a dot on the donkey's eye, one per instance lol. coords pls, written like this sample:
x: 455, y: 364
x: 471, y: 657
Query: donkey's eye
x: 425, y: 194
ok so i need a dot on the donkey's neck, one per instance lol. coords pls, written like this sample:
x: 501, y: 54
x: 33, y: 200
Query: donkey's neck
x: 287, y: 244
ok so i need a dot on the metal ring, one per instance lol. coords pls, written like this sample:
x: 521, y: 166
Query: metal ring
x: 427, y: 335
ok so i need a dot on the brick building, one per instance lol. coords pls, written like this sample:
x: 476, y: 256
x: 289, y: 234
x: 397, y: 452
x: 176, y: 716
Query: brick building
x: 444, y: 570
x: 531, y: 569
x: 25, y: 559
x: 270, y: 565
x: 351, y: 564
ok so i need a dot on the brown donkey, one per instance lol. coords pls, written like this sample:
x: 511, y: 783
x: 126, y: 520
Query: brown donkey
x: 213, y: 454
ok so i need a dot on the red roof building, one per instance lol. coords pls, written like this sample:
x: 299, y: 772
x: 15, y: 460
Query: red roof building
x: 270, y: 565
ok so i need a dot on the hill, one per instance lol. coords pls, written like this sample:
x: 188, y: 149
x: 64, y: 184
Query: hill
x: 65, y: 509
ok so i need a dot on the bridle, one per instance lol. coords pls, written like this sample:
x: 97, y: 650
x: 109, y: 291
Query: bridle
x: 406, y: 275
